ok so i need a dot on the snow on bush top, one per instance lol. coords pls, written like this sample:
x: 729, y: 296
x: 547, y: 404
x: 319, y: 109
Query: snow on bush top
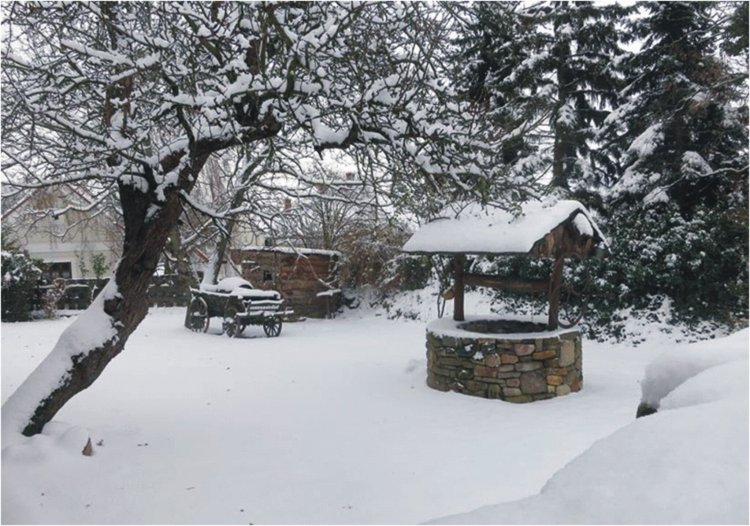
x: 492, y: 230
x: 675, y: 366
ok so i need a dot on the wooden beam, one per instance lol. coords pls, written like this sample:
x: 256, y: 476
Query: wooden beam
x: 524, y: 286
x: 555, y: 284
x: 458, y: 287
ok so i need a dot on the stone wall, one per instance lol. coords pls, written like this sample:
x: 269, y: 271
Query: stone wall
x: 508, y: 368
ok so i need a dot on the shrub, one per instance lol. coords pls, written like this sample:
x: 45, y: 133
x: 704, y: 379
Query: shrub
x: 20, y: 277
x: 52, y: 296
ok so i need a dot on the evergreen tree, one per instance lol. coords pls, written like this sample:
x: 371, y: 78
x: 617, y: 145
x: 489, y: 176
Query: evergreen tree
x: 680, y: 207
x: 684, y: 122
x: 547, y: 74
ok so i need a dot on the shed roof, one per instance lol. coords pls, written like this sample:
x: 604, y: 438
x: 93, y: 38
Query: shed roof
x: 491, y: 230
x: 292, y: 250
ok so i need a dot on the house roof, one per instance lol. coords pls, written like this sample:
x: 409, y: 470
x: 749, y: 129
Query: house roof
x: 492, y: 230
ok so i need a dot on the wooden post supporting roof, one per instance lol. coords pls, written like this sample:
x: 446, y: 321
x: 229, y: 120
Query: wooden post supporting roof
x: 555, y: 284
x: 458, y: 287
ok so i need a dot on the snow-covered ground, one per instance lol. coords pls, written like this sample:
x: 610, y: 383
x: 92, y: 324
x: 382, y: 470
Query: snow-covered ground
x: 332, y: 423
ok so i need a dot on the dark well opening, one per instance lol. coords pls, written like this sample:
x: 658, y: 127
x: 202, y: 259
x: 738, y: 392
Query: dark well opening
x: 502, y: 326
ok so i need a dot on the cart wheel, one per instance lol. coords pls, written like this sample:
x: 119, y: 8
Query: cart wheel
x: 272, y: 327
x: 198, y: 318
x: 230, y: 327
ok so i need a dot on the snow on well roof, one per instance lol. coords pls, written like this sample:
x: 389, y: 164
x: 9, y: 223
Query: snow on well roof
x: 491, y: 230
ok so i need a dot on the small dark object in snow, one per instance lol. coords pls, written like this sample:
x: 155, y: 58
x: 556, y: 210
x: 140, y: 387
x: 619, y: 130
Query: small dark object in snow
x: 189, y: 488
x: 143, y: 445
x: 644, y: 410
x: 88, y: 449
x: 100, y: 443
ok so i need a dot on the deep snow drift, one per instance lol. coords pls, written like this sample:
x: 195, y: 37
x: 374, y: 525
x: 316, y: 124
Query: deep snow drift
x: 686, y: 464
x: 332, y: 423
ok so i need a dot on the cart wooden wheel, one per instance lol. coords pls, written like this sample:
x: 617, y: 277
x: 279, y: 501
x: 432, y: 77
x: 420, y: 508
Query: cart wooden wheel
x: 272, y: 326
x: 230, y: 326
x: 575, y: 293
x: 198, y: 318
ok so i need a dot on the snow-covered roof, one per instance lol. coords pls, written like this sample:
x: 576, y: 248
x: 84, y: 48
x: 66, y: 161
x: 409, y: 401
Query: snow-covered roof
x: 492, y: 230
x: 293, y: 250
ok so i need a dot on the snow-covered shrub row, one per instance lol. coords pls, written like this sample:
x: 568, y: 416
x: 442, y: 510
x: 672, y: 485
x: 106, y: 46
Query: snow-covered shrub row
x: 20, y: 275
x: 699, y: 266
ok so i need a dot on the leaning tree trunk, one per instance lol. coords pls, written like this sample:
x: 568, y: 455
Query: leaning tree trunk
x: 100, y: 333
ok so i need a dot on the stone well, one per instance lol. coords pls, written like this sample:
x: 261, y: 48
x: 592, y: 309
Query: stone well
x: 507, y: 359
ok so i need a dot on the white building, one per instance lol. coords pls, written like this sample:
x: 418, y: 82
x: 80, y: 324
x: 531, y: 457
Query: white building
x: 73, y: 245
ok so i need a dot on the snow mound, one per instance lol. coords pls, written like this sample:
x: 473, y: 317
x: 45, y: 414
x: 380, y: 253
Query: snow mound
x: 686, y: 464
x: 675, y: 366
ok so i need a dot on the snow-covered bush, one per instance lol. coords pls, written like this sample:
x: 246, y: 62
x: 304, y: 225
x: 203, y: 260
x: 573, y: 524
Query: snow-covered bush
x: 52, y: 296
x: 20, y: 276
x: 698, y: 265
x: 409, y: 272
x: 369, y: 253
x: 661, y: 268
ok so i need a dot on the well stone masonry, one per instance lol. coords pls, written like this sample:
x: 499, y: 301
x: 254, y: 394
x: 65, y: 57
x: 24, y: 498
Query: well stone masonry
x: 508, y: 368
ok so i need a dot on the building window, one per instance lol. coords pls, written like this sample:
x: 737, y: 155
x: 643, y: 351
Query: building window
x: 267, y: 275
x: 59, y: 270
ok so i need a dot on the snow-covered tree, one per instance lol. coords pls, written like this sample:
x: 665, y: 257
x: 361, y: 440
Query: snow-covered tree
x: 547, y: 73
x: 654, y: 138
x: 683, y: 128
x: 684, y: 120
x: 135, y: 98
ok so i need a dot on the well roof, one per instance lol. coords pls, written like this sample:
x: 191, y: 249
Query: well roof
x: 492, y: 230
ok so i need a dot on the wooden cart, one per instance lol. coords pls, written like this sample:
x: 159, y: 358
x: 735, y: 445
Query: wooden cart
x: 238, y: 304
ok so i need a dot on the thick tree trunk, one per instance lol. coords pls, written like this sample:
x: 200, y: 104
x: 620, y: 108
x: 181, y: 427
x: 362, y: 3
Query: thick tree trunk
x: 563, y: 153
x: 100, y: 334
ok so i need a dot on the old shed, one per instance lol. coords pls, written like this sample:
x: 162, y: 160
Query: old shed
x: 307, y: 278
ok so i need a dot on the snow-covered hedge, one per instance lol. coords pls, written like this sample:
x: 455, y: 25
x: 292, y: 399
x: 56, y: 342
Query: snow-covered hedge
x: 20, y: 276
